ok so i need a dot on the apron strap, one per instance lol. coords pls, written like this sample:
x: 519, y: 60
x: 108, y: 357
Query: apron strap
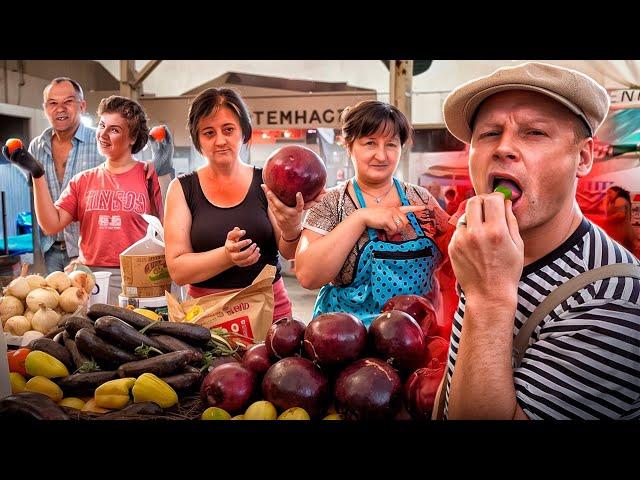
x: 356, y: 188
x: 411, y: 216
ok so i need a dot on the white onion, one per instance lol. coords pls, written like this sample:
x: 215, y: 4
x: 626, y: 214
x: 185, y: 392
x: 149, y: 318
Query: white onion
x: 29, y: 336
x: 82, y: 279
x: 59, y: 281
x: 36, y: 281
x: 72, y: 298
x: 17, y: 325
x: 45, y: 320
x: 46, y: 296
x: 9, y: 307
x: 19, y: 288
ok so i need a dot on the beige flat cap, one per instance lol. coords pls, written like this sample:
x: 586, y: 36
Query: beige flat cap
x: 580, y: 93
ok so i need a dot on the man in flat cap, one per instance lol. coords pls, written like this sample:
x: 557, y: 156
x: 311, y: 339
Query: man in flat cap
x: 530, y: 130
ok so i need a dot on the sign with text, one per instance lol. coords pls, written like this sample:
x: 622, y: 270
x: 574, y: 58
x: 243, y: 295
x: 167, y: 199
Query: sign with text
x: 624, y: 98
x: 302, y: 111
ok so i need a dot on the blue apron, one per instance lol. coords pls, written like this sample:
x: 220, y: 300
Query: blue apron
x: 384, y: 269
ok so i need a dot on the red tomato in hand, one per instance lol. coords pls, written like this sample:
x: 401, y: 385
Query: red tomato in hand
x: 158, y: 133
x: 13, y: 144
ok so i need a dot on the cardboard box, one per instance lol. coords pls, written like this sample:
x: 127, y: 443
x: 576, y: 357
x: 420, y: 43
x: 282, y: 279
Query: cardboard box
x: 144, y: 275
x: 143, y: 266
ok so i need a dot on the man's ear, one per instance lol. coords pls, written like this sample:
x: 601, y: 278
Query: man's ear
x: 83, y: 106
x: 586, y: 157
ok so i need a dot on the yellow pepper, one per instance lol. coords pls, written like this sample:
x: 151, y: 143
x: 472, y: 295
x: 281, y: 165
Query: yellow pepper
x: 45, y: 386
x: 114, y: 394
x: 72, y: 402
x: 18, y: 382
x: 149, y: 388
x: 148, y: 313
x: 42, y: 364
x: 91, y: 406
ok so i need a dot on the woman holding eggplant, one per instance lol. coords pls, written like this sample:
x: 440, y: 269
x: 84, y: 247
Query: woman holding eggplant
x: 225, y: 225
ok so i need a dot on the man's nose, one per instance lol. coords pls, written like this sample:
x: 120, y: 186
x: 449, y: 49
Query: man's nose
x: 507, y: 147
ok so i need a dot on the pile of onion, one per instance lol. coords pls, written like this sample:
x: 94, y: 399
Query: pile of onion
x: 296, y: 382
x: 40, y: 301
x: 284, y: 338
x: 368, y: 389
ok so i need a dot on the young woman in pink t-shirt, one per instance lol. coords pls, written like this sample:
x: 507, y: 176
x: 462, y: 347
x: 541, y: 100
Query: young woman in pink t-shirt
x: 107, y: 200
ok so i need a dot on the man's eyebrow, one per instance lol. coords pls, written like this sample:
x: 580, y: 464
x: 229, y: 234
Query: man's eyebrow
x: 70, y: 97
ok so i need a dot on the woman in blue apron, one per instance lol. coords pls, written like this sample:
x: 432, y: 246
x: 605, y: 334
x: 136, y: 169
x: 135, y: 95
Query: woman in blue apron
x: 372, y: 237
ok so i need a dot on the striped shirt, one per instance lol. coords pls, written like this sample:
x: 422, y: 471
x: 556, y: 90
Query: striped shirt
x: 83, y: 156
x: 583, y: 360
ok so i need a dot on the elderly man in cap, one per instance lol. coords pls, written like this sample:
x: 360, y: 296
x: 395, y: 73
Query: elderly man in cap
x: 548, y: 324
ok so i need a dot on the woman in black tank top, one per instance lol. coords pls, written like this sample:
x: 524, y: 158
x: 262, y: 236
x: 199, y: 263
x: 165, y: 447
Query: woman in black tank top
x: 221, y: 227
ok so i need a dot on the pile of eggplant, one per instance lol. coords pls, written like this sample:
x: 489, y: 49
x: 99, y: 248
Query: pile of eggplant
x: 113, y: 342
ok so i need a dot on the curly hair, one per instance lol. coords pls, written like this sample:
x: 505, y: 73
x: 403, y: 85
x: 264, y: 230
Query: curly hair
x: 134, y: 115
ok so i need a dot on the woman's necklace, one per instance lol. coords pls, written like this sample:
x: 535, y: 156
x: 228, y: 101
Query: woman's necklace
x: 378, y: 199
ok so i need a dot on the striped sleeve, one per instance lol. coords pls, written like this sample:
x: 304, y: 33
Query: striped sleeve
x: 586, y: 362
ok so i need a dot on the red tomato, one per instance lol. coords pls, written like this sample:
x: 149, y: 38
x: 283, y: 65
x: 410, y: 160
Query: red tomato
x: 13, y: 144
x: 16, y: 360
x: 158, y: 133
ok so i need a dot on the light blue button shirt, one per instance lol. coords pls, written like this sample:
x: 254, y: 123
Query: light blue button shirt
x: 83, y: 156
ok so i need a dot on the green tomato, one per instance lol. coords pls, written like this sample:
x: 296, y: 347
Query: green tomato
x: 505, y: 191
x: 215, y: 413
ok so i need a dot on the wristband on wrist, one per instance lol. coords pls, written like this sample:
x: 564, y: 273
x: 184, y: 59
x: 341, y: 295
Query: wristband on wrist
x: 293, y: 239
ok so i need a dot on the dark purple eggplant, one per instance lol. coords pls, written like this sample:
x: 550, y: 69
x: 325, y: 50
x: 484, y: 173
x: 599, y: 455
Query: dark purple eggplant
x: 173, y: 344
x: 73, y: 324
x: 84, y: 384
x: 120, y: 333
x: 184, y: 381
x: 190, y: 333
x: 54, y: 332
x: 161, y: 366
x: 190, y: 369
x: 58, y: 338
x: 134, y: 319
x: 79, y: 359
x: 31, y: 405
x: 135, y: 411
x: 93, y: 346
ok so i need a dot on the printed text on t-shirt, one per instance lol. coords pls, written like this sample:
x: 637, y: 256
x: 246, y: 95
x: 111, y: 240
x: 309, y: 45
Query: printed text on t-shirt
x: 110, y: 200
